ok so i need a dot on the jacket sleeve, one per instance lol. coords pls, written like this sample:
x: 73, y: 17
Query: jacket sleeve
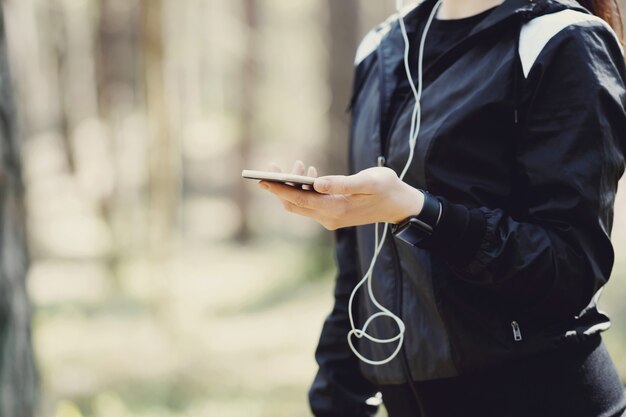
x: 339, y: 389
x: 553, y: 249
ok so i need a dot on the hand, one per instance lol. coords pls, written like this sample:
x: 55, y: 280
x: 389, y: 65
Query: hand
x: 371, y: 196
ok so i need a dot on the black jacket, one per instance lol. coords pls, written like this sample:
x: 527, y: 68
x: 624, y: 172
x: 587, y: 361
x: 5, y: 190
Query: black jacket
x: 523, y: 139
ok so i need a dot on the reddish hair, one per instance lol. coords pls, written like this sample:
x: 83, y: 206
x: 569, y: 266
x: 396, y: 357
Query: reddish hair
x: 609, y: 11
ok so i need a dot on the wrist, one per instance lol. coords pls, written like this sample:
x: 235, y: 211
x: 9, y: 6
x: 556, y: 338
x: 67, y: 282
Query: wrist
x: 415, y: 228
x: 411, y: 204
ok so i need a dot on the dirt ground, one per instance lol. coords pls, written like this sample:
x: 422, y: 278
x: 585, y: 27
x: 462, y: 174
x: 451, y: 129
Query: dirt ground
x: 224, y: 331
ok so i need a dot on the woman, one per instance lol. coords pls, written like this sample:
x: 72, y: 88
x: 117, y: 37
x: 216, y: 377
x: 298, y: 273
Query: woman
x: 498, y: 183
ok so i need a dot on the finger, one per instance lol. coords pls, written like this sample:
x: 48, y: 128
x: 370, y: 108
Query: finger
x: 298, y: 168
x: 360, y: 183
x: 265, y: 185
x: 300, y: 198
x: 301, y: 211
x: 275, y: 168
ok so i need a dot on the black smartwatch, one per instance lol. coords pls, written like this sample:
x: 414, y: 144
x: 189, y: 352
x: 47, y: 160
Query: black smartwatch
x: 414, y: 229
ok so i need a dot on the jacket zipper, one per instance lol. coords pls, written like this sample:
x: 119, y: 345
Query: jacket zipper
x: 381, y: 161
x: 381, y: 87
x: 517, y: 332
x: 403, y: 356
x: 398, y: 273
x: 387, y: 142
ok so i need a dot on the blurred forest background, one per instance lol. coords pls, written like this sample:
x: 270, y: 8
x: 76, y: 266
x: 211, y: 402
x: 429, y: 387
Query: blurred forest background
x: 162, y: 284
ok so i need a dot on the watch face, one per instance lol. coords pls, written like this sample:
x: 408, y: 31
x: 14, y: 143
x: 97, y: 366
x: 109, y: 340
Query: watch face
x: 414, y: 231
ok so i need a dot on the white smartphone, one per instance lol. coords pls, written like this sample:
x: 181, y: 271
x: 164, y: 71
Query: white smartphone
x: 298, y: 181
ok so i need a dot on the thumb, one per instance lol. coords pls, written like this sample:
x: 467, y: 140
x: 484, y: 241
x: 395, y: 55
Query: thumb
x: 342, y: 184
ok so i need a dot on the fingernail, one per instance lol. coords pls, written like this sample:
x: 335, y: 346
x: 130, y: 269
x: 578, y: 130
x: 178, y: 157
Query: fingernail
x: 264, y: 186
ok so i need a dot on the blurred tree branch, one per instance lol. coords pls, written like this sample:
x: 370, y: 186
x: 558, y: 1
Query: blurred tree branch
x: 18, y: 379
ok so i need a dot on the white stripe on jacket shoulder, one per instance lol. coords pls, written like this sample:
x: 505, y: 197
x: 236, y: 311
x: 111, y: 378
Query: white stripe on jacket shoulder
x: 536, y: 33
x: 371, y: 41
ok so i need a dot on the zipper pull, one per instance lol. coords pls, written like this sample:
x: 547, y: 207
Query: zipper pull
x: 381, y: 161
x: 517, y: 333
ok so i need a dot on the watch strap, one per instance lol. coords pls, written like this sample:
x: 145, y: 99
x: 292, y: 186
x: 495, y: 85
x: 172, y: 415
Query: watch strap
x: 431, y: 210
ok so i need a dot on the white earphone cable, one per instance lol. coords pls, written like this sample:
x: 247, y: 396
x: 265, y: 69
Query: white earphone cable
x: 413, y: 133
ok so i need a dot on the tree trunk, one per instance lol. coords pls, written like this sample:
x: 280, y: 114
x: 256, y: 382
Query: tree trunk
x: 343, y: 22
x: 18, y: 380
x: 163, y: 152
x: 247, y: 102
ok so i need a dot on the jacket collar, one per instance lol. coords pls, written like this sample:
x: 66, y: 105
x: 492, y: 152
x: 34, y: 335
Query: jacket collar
x: 527, y: 9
